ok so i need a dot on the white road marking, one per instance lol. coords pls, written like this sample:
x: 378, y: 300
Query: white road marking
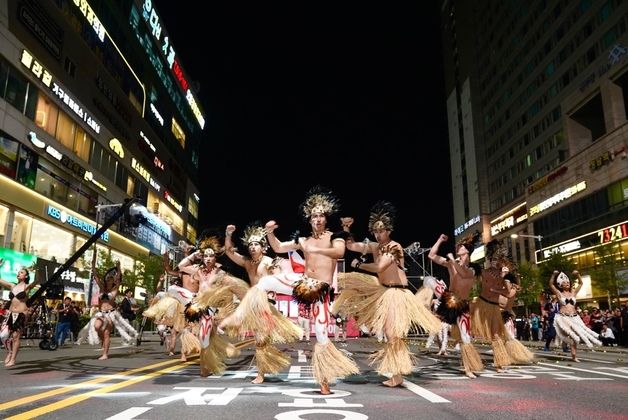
x: 422, y: 392
x: 130, y: 413
x: 597, y: 372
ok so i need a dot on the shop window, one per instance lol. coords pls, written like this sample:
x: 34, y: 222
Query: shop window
x: 21, y: 234
x: 193, y: 207
x: 82, y: 144
x: 51, y: 242
x: 66, y: 130
x: 46, y: 115
x: 191, y: 234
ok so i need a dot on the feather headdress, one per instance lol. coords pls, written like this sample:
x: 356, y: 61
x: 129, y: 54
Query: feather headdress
x: 254, y: 232
x: 211, y: 244
x: 319, y: 201
x: 382, y: 216
x: 469, y: 242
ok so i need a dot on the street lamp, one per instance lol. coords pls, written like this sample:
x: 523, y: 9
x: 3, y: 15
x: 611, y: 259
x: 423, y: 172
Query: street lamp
x: 523, y: 235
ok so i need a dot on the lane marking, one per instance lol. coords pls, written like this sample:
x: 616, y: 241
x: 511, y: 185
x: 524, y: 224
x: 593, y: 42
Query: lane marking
x: 70, y: 388
x: 130, y: 413
x: 584, y: 370
x: 422, y: 392
x: 104, y: 390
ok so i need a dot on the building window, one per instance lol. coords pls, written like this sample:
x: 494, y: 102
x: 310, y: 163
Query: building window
x: 178, y: 133
x: 16, y: 89
x: 66, y: 131
x: 193, y: 207
x: 46, y: 115
x: 4, y: 215
x: 82, y: 144
x: 51, y: 242
x: 21, y: 235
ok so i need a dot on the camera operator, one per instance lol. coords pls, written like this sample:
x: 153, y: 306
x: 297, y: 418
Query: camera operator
x: 65, y: 313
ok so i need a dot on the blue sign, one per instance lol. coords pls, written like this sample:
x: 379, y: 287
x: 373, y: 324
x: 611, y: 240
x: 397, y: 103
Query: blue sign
x: 75, y: 222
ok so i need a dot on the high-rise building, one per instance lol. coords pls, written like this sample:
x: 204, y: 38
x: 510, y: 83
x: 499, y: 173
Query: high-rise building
x: 537, y: 93
x: 95, y: 107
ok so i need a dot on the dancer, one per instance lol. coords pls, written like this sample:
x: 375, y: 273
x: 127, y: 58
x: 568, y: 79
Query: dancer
x: 321, y: 251
x: 486, y: 318
x: 268, y: 359
x: 217, y: 292
x: 437, y: 286
x: 568, y: 324
x: 454, y: 301
x: 101, y: 324
x: 518, y: 353
x: 14, y: 322
x: 384, y: 304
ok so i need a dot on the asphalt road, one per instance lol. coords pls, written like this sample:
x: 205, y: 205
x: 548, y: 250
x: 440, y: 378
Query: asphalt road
x: 145, y: 383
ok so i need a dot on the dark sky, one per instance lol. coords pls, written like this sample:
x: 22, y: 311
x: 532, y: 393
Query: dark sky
x: 294, y: 96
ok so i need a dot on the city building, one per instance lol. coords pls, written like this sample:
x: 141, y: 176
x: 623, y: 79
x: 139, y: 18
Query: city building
x: 95, y: 108
x: 537, y: 94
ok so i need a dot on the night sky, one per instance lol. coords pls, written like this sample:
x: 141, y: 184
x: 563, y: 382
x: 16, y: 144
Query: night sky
x: 291, y: 102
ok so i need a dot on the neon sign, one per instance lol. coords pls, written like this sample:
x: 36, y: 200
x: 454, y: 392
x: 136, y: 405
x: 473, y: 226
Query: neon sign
x: 75, y: 222
x: 557, y: 198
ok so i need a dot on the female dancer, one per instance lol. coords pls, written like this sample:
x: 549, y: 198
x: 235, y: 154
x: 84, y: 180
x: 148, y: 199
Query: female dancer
x: 17, y: 313
x: 568, y: 324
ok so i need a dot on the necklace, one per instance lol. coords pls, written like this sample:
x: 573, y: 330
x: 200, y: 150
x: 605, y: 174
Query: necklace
x: 316, y: 235
x: 257, y: 260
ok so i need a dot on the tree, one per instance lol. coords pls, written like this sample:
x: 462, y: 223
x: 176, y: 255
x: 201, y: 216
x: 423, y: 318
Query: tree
x: 148, y: 270
x: 532, y: 285
x: 604, y: 274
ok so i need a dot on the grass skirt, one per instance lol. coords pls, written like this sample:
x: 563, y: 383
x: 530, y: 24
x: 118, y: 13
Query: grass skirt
x: 256, y: 314
x: 329, y: 363
x: 392, y: 311
x: 471, y: 359
x: 212, y: 358
x: 518, y: 353
x: 486, y: 320
x: 394, y: 358
x: 269, y: 359
x: 167, y: 311
x: 572, y: 330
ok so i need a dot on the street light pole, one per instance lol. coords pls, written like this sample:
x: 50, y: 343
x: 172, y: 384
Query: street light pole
x: 523, y: 235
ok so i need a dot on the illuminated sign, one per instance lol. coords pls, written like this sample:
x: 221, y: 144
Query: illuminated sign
x: 509, y: 219
x: 604, y: 159
x: 36, y: 68
x: 44, y: 75
x: 144, y: 174
x: 152, y: 19
x: 614, y: 233
x: 32, y: 136
x: 159, y: 164
x: 542, y: 182
x: 116, y: 147
x: 196, y: 197
x: 148, y: 142
x: 563, y: 195
x: 467, y: 225
x: 89, y: 14
x: 172, y: 201
x: 54, y: 152
x: 90, y: 178
x: 75, y: 222
x: 156, y: 113
x: 75, y: 107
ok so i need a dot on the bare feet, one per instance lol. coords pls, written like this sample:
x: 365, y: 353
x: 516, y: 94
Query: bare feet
x: 9, y: 364
x: 394, y: 381
x: 470, y: 374
x: 204, y: 373
x: 442, y: 353
x: 103, y: 357
x: 325, y: 389
x: 171, y: 353
x: 500, y: 369
x: 258, y: 379
x: 575, y: 359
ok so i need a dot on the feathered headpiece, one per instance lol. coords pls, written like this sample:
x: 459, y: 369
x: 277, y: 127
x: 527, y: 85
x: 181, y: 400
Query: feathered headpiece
x: 497, y: 251
x: 469, y: 242
x: 211, y: 243
x: 254, y: 232
x: 382, y: 216
x: 561, y: 279
x: 318, y: 200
